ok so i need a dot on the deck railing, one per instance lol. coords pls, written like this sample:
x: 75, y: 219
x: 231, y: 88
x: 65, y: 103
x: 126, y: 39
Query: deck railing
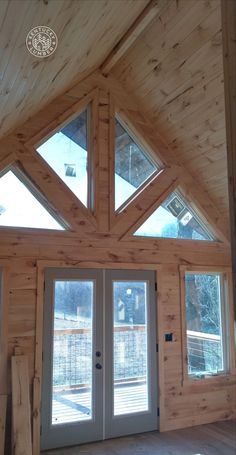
x: 72, y: 355
x: 204, y: 352
x: 73, y: 351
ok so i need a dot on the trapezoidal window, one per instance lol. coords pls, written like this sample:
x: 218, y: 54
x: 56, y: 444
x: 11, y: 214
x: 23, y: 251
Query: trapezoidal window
x: 175, y: 219
x: 20, y: 204
x: 66, y: 152
x: 133, y: 166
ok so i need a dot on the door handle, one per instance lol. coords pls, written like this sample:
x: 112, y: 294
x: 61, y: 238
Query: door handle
x: 98, y: 366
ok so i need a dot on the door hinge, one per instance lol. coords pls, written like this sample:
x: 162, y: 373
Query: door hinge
x: 42, y: 356
x: 40, y: 430
x: 157, y: 347
x: 158, y: 412
x: 156, y: 286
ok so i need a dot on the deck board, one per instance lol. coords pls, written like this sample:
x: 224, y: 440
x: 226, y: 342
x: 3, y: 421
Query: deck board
x: 75, y: 406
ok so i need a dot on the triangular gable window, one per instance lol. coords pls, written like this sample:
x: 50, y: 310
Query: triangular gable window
x: 66, y: 152
x: 174, y: 219
x: 133, y: 166
x: 19, y: 207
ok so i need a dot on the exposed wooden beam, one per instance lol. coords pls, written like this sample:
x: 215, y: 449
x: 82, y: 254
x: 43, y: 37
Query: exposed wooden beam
x: 229, y: 58
x: 139, y: 25
x: 146, y: 202
x: 7, y: 161
x: 101, y: 157
x: 61, y: 120
x: 62, y: 202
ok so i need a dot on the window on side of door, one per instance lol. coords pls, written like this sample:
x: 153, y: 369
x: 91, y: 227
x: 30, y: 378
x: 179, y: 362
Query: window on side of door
x: 206, y: 323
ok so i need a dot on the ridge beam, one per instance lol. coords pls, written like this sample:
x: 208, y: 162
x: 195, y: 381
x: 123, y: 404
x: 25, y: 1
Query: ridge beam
x: 138, y: 26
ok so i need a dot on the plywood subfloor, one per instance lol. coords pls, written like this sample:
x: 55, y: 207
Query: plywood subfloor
x: 214, y: 439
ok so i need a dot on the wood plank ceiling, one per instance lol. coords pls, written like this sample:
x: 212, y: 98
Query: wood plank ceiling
x: 87, y: 31
x: 174, y: 69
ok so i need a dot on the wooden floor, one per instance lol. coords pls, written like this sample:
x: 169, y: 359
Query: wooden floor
x: 213, y: 439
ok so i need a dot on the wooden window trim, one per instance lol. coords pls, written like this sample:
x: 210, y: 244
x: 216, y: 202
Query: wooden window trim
x: 230, y: 374
x: 4, y: 309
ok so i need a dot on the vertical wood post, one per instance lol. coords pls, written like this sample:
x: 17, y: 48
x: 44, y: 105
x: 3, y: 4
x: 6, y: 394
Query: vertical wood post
x: 103, y: 179
x: 229, y: 57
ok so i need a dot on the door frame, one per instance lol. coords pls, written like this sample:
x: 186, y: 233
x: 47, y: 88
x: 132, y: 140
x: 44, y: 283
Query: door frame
x: 37, y: 381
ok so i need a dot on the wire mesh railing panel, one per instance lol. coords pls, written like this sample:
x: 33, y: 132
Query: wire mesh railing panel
x: 72, y: 360
x: 130, y: 354
x: 72, y: 357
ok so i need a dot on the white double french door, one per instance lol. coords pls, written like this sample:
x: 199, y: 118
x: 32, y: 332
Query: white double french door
x: 99, y: 355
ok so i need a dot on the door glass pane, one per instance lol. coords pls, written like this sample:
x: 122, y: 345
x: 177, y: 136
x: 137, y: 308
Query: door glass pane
x: 130, y: 347
x: 72, y: 351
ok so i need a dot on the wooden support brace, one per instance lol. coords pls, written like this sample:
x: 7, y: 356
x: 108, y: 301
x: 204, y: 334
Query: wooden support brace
x: 7, y: 161
x: 63, y: 203
x: 61, y: 120
x: 146, y: 201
